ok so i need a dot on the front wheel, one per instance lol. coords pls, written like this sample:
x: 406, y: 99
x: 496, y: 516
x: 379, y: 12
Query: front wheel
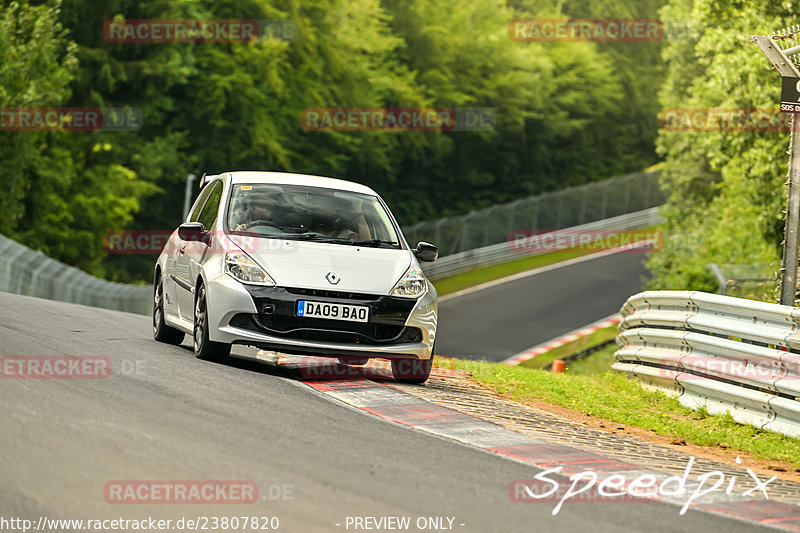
x: 161, y: 331
x: 203, y: 347
x: 412, y: 370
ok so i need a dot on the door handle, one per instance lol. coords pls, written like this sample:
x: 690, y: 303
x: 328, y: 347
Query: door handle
x: 182, y: 249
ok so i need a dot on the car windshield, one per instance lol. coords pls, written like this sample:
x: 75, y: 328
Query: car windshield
x: 310, y: 213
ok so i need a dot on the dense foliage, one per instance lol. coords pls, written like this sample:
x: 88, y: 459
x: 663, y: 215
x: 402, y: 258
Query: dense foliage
x: 726, y: 185
x: 566, y: 112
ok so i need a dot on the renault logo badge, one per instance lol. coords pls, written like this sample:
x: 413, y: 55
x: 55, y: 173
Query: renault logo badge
x: 332, y: 278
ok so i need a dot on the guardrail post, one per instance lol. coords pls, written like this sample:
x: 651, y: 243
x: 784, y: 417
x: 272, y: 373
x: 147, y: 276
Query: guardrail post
x: 627, y: 194
x: 560, y: 210
x: 584, y: 199
x: 535, y: 219
x: 438, y: 241
x: 723, y: 282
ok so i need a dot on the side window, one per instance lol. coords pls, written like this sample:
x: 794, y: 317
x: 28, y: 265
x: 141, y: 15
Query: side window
x: 209, y: 213
x: 198, y: 204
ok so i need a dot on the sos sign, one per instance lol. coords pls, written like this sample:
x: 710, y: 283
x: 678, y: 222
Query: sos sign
x: 790, y: 95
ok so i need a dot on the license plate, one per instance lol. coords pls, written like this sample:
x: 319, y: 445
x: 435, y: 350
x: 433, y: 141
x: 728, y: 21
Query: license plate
x: 352, y: 313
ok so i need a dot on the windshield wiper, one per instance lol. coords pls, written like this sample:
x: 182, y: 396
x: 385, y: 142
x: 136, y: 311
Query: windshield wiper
x: 301, y: 236
x: 317, y: 238
x: 373, y: 242
x: 335, y: 240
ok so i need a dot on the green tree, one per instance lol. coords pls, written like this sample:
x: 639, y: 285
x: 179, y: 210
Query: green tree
x: 37, y: 67
x: 67, y: 188
x: 726, y: 187
x: 566, y: 113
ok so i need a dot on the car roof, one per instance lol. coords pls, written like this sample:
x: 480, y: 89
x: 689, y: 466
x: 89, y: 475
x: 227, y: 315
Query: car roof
x: 287, y: 178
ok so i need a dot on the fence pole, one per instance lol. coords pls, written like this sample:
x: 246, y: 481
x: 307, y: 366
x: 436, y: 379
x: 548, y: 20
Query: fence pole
x: 791, y: 241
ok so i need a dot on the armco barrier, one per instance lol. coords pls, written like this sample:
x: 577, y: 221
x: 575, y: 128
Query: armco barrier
x: 727, y: 354
x: 29, y: 272
x: 504, y: 251
x: 551, y: 211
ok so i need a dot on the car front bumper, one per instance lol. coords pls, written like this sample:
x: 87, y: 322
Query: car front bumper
x: 398, y: 328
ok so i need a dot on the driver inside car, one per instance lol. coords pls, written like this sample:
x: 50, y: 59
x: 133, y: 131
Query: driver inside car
x: 257, y: 212
x: 341, y: 218
x: 359, y: 228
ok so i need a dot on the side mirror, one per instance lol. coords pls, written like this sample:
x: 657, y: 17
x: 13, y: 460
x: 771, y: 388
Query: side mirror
x: 426, y: 252
x: 192, y: 231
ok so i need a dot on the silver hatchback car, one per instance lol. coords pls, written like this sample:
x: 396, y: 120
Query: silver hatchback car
x: 296, y: 264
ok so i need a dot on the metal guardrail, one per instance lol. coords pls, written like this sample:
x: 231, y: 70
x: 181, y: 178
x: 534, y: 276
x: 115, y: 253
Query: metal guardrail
x: 504, y: 252
x: 726, y: 354
x: 32, y: 273
x: 551, y: 211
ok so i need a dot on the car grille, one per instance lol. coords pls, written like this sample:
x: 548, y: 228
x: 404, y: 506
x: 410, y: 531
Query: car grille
x: 314, y: 329
x: 277, y: 316
x: 333, y: 294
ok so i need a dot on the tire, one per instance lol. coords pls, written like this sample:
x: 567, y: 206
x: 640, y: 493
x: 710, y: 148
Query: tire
x: 353, y: 361
x: 412, y: 370
x: 204, y: 348
x: 161, y: 331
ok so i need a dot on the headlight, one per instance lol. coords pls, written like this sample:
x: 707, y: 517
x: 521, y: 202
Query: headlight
x: 411, y: 285
x: 241, y: 267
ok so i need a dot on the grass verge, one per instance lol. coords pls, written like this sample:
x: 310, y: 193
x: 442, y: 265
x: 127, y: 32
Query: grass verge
x: 614, y: 397
x: 597, y: 363
x: 465, y: 280
x: 572, y: 348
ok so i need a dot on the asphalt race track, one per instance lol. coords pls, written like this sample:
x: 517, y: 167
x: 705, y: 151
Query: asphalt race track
x: 501, y: 321
x: 162, y: 414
